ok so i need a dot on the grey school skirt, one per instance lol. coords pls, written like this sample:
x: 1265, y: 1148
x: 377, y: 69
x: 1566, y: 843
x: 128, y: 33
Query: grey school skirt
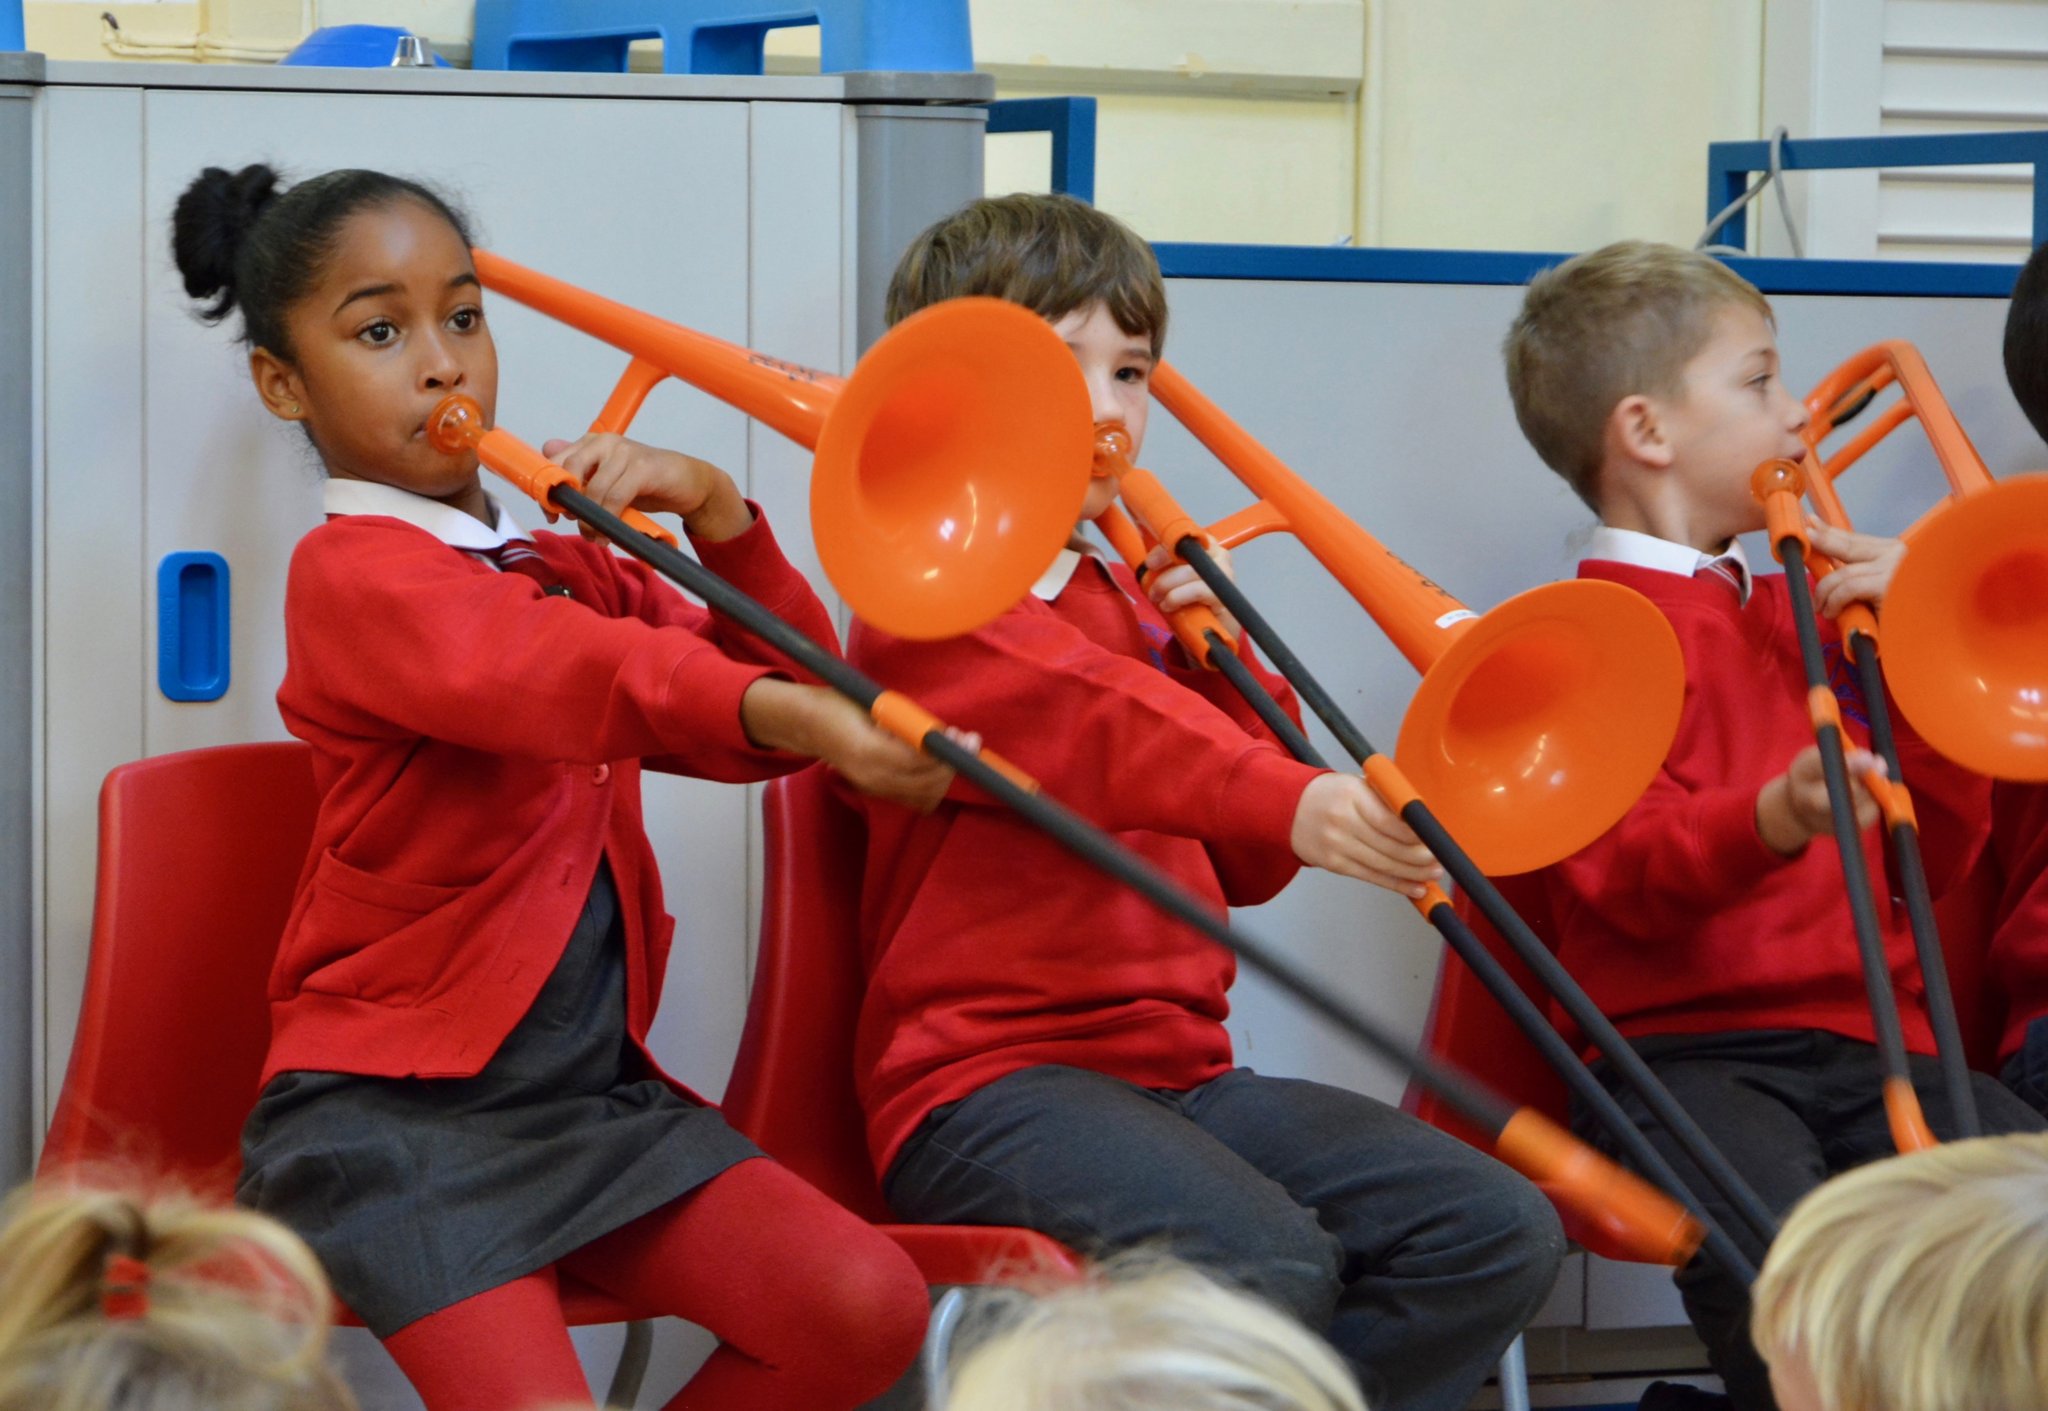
x: 417, y: 1193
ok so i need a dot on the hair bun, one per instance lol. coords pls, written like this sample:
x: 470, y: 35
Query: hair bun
x: 212, y: 219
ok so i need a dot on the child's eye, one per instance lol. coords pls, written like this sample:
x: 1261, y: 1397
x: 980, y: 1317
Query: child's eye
x: 379, y: 334
x: 467, y: 319
x: 1133, y: 375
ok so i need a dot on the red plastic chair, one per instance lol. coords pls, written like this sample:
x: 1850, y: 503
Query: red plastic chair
x: 1469, y: 1028
x: 199, y: 858
x: 792, y: 1083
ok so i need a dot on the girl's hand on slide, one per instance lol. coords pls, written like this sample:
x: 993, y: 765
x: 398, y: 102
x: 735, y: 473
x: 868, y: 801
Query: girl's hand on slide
x: 619, y: 473
x: 821, y: 723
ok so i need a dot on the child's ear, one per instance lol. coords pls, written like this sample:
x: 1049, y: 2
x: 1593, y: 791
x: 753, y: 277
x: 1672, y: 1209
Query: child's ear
x: 1636, y: 432
x: 277, y: 383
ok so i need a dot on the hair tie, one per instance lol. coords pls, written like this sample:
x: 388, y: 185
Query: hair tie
x: 124, y: 1290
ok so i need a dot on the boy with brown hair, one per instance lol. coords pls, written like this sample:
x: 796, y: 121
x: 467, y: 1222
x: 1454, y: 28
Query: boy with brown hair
x: 1037, y: 1045
x: 1712, y: 924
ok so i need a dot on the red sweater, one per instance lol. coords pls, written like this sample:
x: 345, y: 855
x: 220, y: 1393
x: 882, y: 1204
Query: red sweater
x: 477, y: 746
x: 2018, y: 966
x: 1679, y: 920
x: 989, y: 947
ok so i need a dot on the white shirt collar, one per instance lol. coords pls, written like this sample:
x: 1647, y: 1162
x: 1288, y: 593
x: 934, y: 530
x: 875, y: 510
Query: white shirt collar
x: 446, y: 523
x: 1055, y: 579
x: 1641, y: 550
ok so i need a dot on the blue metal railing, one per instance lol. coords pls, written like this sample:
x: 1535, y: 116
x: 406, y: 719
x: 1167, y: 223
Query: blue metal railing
x: 1071, y: 121
x: 1731, y: 164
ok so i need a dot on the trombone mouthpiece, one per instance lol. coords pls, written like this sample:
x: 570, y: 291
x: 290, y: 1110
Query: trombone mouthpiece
x: 456, y: 423
x: 1774, y: 477
x: 1112, y: 450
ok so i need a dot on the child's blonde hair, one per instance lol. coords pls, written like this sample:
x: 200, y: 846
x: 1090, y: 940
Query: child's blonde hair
x: 1146, y: 1336
x: 1616, y: 322
x: 1918, y: 1283
x: 1052, y: 254
x: 111, y: 1304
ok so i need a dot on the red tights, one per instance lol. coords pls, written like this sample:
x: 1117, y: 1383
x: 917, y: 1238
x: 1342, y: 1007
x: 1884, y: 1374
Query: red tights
x: 813, y: 1310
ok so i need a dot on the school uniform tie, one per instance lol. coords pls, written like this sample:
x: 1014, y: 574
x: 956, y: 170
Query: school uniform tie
x: 517, y: 556
x: 1724, y: 572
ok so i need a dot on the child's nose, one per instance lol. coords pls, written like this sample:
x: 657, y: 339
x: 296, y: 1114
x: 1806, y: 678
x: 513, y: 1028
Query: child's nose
x: 1106, y: 405
x: 440, y: 367
x: 1796, y: 416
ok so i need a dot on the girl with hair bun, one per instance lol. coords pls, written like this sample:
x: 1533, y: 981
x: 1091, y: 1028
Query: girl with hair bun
x: 458, y: 1102
x: 114, y: 1305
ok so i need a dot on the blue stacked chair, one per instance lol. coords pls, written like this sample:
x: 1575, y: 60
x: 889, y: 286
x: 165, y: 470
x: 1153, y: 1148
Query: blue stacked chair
x: 720, y: 36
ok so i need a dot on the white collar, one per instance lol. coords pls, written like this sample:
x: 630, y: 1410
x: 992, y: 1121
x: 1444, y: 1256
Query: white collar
x: 446, y: 523
x: 1054, y: 580
x: 1641, y: 550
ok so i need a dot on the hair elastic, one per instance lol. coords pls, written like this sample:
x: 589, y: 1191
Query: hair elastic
x: 124, y: 1290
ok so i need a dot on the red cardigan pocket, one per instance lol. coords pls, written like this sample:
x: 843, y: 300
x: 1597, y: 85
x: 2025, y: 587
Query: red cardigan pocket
x: 372, y: 937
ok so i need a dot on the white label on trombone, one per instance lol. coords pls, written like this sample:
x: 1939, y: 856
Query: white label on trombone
x: 1460, y: 615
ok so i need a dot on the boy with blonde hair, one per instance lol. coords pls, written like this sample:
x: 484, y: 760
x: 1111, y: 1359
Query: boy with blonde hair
x: 1038, y: 1045
x: 1143, y: 1335
x: 1712, y: 923
x: 1914, y: 1284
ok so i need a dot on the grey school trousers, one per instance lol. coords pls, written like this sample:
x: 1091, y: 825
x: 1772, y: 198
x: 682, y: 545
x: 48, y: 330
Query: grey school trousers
x: 1418, y: 1257
x: 1788, y: 1108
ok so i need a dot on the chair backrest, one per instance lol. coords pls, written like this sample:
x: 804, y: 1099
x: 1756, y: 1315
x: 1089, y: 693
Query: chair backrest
x: 1470, y: 1029
x: 1966, y: 915
x: 791, y: 1088
x: 199, y: 856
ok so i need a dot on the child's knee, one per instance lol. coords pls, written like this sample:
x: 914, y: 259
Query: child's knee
x: 1293, y: 1262
x: 872, y: 1301
x: 1510, y: 1228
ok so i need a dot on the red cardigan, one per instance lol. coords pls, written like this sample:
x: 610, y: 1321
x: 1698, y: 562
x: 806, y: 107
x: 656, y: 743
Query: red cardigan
x: 477, y: 746
x: 989, y: 947
x: 1679, y: 920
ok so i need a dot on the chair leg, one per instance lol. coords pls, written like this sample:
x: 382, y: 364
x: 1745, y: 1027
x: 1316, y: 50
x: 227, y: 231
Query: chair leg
x: 938, y: 1345
x: 632, y: 1366
x: 1514, y: 1377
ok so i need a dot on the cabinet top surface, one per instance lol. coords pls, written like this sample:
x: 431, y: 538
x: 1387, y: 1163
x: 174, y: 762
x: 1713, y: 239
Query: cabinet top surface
x: 821, y: 88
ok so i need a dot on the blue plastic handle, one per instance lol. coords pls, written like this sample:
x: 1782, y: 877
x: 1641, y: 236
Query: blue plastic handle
x: 192, y: 626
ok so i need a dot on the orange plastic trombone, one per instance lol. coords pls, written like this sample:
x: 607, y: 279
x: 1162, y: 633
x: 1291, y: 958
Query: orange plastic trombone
x: 1537, y: 725
x: 1163, y: 517
x: 950, y: 466
x: 1965, y: 639
x: 1639, y: 1213
x: 1777, y: 486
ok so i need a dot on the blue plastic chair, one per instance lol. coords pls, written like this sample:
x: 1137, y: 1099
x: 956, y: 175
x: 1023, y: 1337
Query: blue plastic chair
x: 720, y: 36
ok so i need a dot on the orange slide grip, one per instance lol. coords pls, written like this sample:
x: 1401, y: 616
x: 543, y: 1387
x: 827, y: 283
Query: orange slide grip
x: 1778, y: 486
x: 1432, y: 897
x: 910, y: 722
x: 1892, y: 799
x: 1629, y: 1210
x: 1191, y: 625
x: 458, y: 422
x: 1822, y: 708
x: 1902, y: 1109
x: 1857, y: 617
x: 1389, y: 782
x: 1158, y: 511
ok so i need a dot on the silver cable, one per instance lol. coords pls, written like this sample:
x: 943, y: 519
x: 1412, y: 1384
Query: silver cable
x: 1773, y: 176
